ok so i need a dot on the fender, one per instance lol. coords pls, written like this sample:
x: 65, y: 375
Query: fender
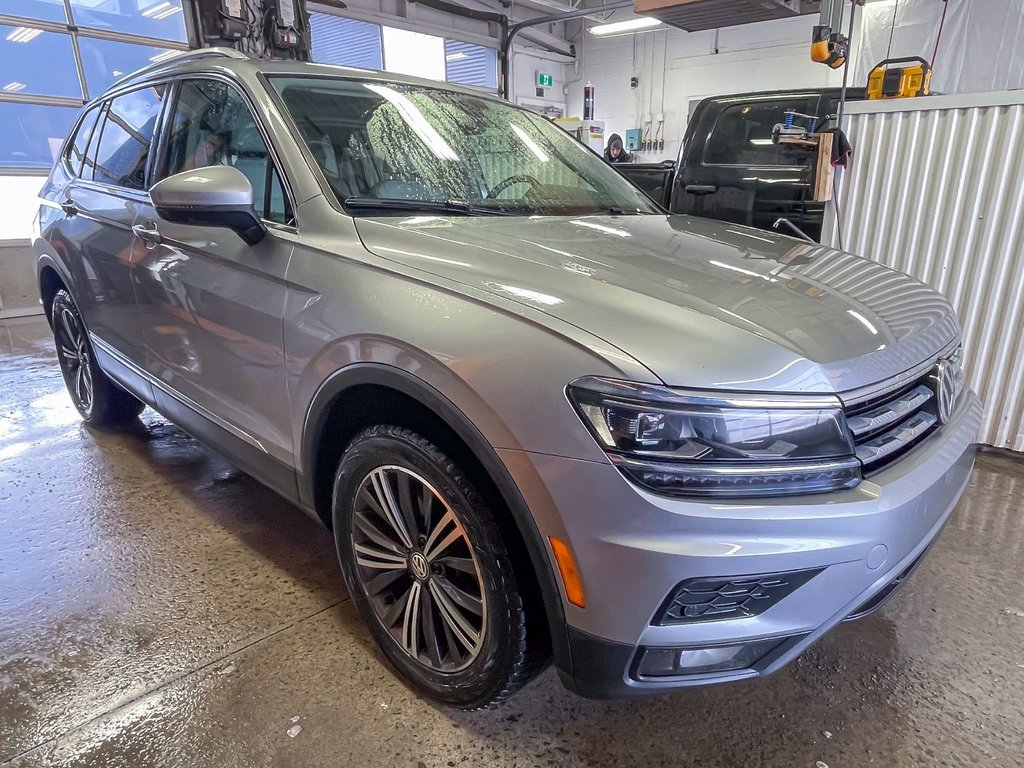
x: 458, y: 422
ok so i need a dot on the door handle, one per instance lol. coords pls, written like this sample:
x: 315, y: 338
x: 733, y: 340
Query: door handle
x: 149, y: 235
x: 69, y: 208
x: 700, y: 189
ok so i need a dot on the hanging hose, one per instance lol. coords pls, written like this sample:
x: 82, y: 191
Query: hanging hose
x: 892, y: 29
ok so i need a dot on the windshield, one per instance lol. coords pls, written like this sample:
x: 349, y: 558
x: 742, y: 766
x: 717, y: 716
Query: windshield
x: 387, y: 148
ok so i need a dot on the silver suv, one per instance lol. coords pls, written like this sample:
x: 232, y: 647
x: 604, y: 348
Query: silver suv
x: 542, y: 418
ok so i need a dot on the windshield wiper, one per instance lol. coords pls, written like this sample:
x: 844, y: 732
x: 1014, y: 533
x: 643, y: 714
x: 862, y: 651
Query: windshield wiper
x: 402, y: 205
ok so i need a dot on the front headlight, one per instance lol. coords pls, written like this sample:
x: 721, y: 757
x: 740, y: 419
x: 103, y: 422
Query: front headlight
x: 719, y: 445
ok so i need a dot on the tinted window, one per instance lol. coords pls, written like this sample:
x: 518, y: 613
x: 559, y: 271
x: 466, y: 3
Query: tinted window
x: 160, y: 19
x: 107, y: 61
x: 48, y: 10
x: 31, y: 135
x: 126, y: 137
x: 213, y: 125
x: 81, y: 142
x: 37, y: 63
x: 743, y: 134
x: 345, y: 41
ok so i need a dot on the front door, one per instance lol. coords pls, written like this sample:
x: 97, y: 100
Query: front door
x: 737, y: 173
x: 211, y: 305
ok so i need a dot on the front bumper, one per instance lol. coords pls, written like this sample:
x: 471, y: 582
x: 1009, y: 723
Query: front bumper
x: 633, y: 548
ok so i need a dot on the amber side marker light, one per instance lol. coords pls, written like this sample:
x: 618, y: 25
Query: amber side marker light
x: 570, y: 576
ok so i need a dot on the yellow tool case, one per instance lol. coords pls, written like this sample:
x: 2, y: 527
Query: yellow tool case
x: 891, y: 82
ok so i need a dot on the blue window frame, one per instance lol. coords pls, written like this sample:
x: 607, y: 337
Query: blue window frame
x: 37, y: 63
x: 31, y: 134
x: 470, y: 64
x: 345, y: 42
x: 46, y: 10
x: 160, y: 19
x: 107, y: 61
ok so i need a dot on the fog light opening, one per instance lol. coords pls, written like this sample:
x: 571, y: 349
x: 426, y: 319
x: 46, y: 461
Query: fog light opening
x: 677, y: 662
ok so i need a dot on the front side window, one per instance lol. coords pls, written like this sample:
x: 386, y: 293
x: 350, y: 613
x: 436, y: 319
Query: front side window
x: 385, y: 141
x: 213, y: 125
x: 743, y: 134
x: 126, y: 137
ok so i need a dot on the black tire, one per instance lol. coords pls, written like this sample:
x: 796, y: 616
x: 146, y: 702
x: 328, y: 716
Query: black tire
x: 504, y: 658
x: 99, y: 400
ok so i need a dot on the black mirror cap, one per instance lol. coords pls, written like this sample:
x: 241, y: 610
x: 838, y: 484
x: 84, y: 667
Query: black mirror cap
x: 242, y: 219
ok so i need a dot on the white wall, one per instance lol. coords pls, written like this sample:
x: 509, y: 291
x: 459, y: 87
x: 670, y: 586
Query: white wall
x: 753, y: 57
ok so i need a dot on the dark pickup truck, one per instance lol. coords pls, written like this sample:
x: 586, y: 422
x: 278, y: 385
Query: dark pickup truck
x: 730, y: 169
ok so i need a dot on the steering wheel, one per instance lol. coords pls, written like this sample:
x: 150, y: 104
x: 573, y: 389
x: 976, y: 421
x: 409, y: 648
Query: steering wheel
x: 519, y: 178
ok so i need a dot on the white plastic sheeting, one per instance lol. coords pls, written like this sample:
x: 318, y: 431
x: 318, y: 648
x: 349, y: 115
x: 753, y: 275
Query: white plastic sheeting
x: 935, y: 190
x: 980, y: 48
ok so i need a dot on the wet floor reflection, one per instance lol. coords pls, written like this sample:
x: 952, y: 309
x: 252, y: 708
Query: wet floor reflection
x: 158, y: 608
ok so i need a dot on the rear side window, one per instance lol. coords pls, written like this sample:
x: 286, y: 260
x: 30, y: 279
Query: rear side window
x: 76, y: 154
x: 126, y: 137
x: 743, y: 133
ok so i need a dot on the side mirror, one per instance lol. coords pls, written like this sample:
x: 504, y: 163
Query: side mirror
x: 214, y: 196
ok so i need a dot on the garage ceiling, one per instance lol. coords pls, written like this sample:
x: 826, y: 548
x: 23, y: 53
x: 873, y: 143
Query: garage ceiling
x: 696, y: 15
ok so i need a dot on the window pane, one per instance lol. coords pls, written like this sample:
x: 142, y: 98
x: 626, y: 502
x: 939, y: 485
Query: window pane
x: 413, y: 53
x: 345, y: 42
x: 105, y: 61
x: 212, y: 125
x: 47, y: 10
x: 743, y: 134
x: 31, y: 135
x: 37, y: 63
x: 161, y: 19
x: 81, y: 142
x: 471, y: 64
x: 126, y: 136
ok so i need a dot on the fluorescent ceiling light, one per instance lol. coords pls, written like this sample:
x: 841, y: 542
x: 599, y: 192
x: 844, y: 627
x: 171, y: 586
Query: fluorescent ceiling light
x: 14, y: 86
x: 23, y: 34
x: 164, y: 55
x: 638, y: 24
x: 153, y: 10
x: 167, y: 14
x: 457, y: 56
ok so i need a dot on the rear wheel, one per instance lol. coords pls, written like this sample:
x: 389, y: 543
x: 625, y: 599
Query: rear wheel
x: 428, y: 570
x: 98, y: 399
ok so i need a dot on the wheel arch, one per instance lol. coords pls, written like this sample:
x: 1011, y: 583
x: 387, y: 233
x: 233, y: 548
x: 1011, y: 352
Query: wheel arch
x: 362, y: 392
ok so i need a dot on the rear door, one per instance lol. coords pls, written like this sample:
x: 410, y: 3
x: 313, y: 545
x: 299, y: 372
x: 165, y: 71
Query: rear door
x: 211, y: 305
x: 731, y: 170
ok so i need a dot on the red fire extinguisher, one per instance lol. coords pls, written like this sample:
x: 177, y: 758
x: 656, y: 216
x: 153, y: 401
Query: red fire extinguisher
x: 588, y: 101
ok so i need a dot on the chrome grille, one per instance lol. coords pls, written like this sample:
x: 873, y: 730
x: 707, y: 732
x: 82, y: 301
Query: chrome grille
x: 887, y: 426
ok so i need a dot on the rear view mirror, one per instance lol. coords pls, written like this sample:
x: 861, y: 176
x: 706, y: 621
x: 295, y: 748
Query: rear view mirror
x: 214, y: 196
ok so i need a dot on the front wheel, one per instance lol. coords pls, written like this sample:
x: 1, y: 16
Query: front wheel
x: 428, y: 571
x: 98, y: 399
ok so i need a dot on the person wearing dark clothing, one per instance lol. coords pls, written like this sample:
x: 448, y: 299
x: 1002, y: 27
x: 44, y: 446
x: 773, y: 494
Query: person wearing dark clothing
x: 615, y: 152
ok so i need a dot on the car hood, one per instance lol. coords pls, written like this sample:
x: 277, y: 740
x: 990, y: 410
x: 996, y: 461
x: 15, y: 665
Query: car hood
x: 701, y: 303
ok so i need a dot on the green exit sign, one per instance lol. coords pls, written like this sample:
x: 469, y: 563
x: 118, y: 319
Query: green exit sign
x: 544, y: 80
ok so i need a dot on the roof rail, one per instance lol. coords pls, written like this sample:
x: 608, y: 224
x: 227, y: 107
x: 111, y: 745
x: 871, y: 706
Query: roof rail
x: 175, y: 57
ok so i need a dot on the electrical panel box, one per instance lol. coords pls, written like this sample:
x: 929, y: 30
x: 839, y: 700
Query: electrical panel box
x: 633, y: 139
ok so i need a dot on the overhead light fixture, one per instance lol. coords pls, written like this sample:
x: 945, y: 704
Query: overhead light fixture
x: 23, y: 34
x: 167, y: 14
x: 14, y: 86
x: 629, y: 26
x: 457, y: 56
x: 153, y: 10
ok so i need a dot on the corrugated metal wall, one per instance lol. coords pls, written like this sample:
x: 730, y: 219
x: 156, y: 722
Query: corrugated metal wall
x: 936, y: 189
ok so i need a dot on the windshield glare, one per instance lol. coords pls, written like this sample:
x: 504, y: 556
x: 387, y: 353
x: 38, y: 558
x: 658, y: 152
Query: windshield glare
x: 396, y: 142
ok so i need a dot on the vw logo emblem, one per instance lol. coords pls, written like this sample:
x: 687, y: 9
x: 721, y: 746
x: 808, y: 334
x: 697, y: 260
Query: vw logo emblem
x: 419, y: 566
x: 945, y: 389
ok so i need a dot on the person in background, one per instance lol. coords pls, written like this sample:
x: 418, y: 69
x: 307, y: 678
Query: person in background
x: 615, y: 152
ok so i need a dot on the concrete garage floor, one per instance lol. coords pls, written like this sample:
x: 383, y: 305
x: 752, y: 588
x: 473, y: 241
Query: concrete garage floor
x: 159, y: 609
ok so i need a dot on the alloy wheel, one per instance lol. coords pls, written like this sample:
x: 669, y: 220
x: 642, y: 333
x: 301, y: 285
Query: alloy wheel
x: 73, y: 353
x: 416, y: 565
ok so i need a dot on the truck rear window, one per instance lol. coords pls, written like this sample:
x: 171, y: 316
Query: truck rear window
x: 743, y: 134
